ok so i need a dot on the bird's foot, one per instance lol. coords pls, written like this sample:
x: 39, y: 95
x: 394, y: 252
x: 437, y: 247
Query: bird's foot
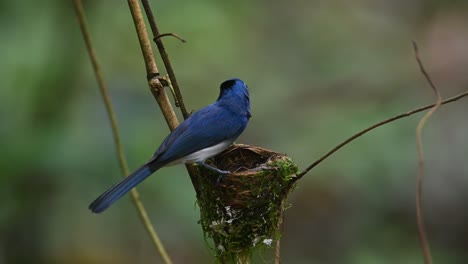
x: 221, y: 173
x: 218, y: 181
x: 213, y: 169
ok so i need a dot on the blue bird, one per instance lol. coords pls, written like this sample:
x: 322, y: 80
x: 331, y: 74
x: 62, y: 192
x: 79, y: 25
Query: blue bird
x: 204, y: 134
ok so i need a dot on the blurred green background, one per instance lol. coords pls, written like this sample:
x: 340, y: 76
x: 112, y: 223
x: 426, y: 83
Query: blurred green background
x: 318, y: 71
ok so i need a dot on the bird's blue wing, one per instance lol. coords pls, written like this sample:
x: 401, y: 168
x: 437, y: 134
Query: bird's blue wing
x: 207, y: 127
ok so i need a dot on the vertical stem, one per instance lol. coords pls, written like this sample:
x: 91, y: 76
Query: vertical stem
x: 115, y: 131
x: 165, y: 57
x: 102, y: 86
x: 156, y: 87
x: 280, y: 231
x: 243, y: 258
x: 152, y: 72
x: 419, y: 199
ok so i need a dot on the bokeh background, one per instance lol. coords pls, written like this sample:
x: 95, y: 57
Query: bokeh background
x: 318, y: 71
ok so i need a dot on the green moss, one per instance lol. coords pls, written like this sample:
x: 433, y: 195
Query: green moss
x: 287, y: 168
x: 242, y: 212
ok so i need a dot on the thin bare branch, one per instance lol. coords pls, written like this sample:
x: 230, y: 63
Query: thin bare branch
x: 170, y: 35
x: 155, y: 83
x: 151, y: 69
x: 381, y: 123
x: 278, y: 251
x: 102, y: 85
x: 426, y: 75
x: 419, y: 200
x: 179, y: 101
x: 157, y: 89
x: 115, y: 131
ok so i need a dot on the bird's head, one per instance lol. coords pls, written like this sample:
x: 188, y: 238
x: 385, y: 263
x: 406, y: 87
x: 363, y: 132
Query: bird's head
x: 234, y: 94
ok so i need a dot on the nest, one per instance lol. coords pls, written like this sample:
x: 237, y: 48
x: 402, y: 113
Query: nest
x: 242, y: 211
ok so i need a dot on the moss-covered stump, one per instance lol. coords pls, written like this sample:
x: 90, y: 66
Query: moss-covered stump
x: 242, y: 211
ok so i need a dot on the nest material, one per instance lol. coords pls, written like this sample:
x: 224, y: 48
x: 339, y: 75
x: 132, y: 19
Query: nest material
x: 242, y: 211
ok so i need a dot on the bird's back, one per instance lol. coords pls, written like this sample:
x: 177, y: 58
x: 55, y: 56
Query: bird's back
x: 209, y: 126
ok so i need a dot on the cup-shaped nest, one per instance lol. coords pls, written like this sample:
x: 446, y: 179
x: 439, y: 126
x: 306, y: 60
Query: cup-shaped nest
x: 242, y: 211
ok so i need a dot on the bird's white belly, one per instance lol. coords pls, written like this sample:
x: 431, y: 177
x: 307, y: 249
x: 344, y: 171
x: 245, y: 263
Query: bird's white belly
x: 204, y: 154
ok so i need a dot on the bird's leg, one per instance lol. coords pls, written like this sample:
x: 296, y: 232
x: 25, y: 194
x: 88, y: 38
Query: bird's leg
x: 211, y: 168
x: 216, y: 170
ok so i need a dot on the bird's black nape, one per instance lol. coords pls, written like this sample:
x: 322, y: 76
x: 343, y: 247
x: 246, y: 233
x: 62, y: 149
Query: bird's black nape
x: 228, y: 84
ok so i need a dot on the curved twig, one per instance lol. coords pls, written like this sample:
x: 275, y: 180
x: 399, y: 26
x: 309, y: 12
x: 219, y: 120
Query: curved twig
x: 170, y: 35
x: 391, y: 119
x: 419, y: 201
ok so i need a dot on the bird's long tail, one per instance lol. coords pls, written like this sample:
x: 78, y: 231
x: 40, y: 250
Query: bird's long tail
x: 119, y: 189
